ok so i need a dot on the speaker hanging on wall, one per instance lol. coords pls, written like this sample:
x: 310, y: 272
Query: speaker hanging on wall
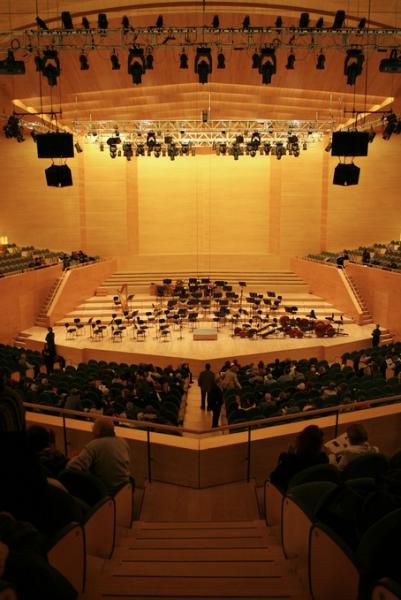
x: 55, y: 145
x: 346, y: 174
x: 58, y: 176
x: 350, y: 143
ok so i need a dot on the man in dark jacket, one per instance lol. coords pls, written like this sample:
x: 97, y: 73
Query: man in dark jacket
x: 206, y: 380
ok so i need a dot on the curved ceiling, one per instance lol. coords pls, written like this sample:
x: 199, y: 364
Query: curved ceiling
x: 167, y: 92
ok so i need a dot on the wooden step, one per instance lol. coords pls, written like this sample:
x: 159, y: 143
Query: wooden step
x: 199, y: 569
x: 209, y: 543
x: 197, y: 554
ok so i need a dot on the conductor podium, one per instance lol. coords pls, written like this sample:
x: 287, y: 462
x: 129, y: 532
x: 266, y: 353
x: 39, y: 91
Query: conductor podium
x: 205, y: 334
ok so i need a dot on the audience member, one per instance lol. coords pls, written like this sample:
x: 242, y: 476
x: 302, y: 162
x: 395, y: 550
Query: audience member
x: 308, y: 451
x: 358, y: 445
x: 106, y: 456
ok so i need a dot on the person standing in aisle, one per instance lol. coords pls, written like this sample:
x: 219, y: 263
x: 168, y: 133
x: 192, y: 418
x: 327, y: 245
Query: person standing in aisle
x: 206, y: 380
x: 215, y: 400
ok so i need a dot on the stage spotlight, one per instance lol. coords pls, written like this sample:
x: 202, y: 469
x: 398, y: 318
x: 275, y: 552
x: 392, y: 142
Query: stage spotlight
x: 328, y: 147
x: 339, y: 19
x: 127, y: 150
x: 362, y: 23
x: 136, y: 64
x: 51, y: 66
x: 390, y: 123
x: 40, y: 23
x: 203, y: 64
x: 151, y: 140
x: 319, y: 23
x: 267, y: 147
x: 216, y: 22
x: 221, y: 149
x: 185, y: 148
x: 113, y: 151
x: 221, y: 61
x: 236, y: 151
x: 38, y: 62
x: 255, y: 140
x: 279, y: 23
x: 149, y: 62
x: 125, y: 24
x: 172, y: 150
x: 246, y: 23
x: 85, y: 23
x: 102, y: 22
x: 280, y: 150
x: 157, y: 150
x: 256, y: 59
x: 159, y: 22
x: 10, y: 66
x: 268, y: 64
x: 304, y: 146
x: 13, y: 129
x: 140, y: 150
x: 115, y: 63
x: 183, y: 61
x: 353, y: 65
x: 101, y: 147
x: 78, y: 147
x: 304, y: 20
x: 321, y: 61
x: 290, y: 62
x: 66, y: 19
x: 83, y: 60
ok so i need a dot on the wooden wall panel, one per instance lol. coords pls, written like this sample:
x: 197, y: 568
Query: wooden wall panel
x: 22, y: 297
x: 381, y: 291
x: 368, y: 212
x: 203, y: 211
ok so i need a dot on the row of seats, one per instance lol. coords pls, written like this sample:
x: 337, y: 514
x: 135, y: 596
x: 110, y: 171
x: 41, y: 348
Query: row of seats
x: 342, y: 531
x: 387, y: 256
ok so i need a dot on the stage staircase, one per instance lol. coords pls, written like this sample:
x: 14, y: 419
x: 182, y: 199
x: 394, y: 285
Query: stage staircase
x: 366, y: 318
x: 204, y: 559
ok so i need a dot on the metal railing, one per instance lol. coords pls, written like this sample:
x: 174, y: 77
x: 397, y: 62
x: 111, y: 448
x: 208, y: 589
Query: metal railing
x: 246, y: 426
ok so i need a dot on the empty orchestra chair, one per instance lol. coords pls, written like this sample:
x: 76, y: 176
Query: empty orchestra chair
x: 70, y: 331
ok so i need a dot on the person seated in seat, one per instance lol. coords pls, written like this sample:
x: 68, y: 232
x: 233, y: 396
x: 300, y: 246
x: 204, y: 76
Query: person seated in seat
x: 106, y: 456
x: 356, y: 445
x: 308, y: 452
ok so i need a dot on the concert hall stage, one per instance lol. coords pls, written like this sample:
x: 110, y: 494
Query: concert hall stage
x: 196, y: 352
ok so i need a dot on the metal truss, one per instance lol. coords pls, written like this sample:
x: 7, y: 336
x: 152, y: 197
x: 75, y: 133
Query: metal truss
x: 31, y: 40
x: 203, y: 134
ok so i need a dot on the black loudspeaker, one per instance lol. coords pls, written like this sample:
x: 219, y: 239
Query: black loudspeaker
x: 346, y: 174
x: 350, y: 143
x: 58, y: 176
x: 55, y: 145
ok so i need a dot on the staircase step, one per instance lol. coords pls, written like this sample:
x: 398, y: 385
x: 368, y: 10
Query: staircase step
x: 171, y: 525
x: 197, y: 554
x: 251, y: 541
x: 187, y: 587
x: 199, y: 569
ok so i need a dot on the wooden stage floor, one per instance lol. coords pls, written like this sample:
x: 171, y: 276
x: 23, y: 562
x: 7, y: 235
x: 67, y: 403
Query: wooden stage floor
x: 196, y: 353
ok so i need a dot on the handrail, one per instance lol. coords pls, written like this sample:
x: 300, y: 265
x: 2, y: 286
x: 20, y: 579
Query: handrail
x: 352, y: 286
x: 161, y: 428
x: 150, y: 427
x: 353, y: 262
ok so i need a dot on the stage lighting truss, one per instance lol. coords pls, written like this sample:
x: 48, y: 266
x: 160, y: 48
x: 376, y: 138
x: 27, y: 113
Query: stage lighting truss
x: 95, y: 36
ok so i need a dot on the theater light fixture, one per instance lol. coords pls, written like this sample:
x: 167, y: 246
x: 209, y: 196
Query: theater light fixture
x: 290, y: 62
x: 159, y: 22
x: 127, y: 150
x: 149, y: 61
x: 339, y: 19
x: 83, y: 61
x: 321, y: 61
x: 304, y: 20
x: 66, y: 20
x: 10, y: 66
x: 353, y: 65
x: 85, y: 23
x: 319, y: 23
x: 41, y: 24
x: 115, y: 63
x: 136, y: 65
x: 362, y: 23
x: 221, y: 61
x: 203, y: 64
x: 13, y: 129
x: 256, y: 60
x: 268, y: 64
x: 125, y: 24
x: 51, y: 66
x: 102, y: 22
x: 183, y: 60
x: 216, y: 22
x: 279, y: 23
x: 246, y: 23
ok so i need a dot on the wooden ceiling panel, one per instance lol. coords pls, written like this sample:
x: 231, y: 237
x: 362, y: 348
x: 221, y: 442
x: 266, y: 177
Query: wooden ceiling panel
x: 169, y: 92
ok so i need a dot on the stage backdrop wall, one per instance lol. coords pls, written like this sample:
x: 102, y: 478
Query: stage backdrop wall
x: 202, y: 212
